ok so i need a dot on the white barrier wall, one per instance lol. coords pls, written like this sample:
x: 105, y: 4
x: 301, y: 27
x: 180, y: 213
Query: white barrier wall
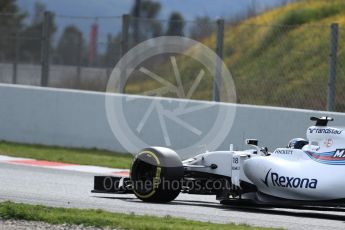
x: 78, y: 119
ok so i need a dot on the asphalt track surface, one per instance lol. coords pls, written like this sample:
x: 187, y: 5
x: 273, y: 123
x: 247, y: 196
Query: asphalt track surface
x: 61, y: 188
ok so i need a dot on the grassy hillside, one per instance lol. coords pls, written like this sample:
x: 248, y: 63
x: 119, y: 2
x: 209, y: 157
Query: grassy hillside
x: 286, y: 64
x: 278, y: 58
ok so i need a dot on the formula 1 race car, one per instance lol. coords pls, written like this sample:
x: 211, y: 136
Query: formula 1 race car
x: 303, y: 173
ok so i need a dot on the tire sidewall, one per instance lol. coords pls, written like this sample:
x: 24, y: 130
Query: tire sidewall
x: 167, y: 180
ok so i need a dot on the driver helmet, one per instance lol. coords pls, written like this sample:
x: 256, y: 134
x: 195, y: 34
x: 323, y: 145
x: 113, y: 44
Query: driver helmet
x: 297, y: 143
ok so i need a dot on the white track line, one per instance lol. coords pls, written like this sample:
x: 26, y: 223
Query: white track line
x: 63, y: 166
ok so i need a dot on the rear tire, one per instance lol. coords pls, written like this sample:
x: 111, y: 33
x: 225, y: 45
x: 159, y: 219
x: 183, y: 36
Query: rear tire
x: 156, y: 175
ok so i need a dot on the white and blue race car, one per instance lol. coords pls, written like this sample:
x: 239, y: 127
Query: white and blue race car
x: 306, y: 172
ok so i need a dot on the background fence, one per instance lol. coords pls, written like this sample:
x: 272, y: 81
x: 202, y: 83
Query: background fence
x: 279, y: 65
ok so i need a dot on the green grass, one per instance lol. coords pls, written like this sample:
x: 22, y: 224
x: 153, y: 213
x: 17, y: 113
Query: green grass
x: 99, y: 218
x: 67, y: 155
x: 286, y: 62
x: 278, y: 58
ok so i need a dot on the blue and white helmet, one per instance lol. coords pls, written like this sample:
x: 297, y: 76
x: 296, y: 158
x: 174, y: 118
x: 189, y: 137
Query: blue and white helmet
x: 297, y: 143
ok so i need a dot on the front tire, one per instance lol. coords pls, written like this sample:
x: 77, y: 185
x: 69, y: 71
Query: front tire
x: 156, y: 175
